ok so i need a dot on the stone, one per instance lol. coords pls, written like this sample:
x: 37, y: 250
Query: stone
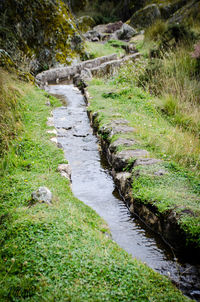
x: 126, y: 142
x: 122, y: 159
x: 86, y: 74
x: 145, y: 16
x: 122, y: 180
x: 92, y: 34
x: 52, y: 131
x: 54, y: 140
x: 79, y: 82
x: 85, y: 23
x: 50, y: 122
x: 116, y: 129
x: 65, y: 171
x: 43, y: 195
x: 126, y: 32
x: 95, y: 39
x: 160, y: 173
x: 146, y: 161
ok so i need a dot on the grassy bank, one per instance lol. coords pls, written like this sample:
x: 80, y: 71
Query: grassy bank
x: 178, y: 189
x: 96, y: 50
x: 58, y: 252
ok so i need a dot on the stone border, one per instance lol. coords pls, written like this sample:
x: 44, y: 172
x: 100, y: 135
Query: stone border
x: 164, y: 224
x: 98, y: 67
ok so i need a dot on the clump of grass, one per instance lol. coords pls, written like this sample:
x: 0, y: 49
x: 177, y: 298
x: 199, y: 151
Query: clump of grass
x: 155, y: 31
x: 10, y: 116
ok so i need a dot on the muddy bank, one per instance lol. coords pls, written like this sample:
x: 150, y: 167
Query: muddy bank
x: 123, y: 163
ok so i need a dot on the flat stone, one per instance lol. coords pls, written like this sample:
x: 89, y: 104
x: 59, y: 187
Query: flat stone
x: 126, y: 142
x: 65, y: 171
x: 43, y: 195
x: 121, y: 159
x: 119, y: 121
x: 50, y: 122
x: 146, y: 161
x: 54, y: 140
x: 52, y: 131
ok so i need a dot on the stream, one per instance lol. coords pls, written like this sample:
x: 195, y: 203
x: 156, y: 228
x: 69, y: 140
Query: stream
x: 93, y: 184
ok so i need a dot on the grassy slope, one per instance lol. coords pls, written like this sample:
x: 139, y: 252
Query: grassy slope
x: 178, y: 189
x: 59, y: 252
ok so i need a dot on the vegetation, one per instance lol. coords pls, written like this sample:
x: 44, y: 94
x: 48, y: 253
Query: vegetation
x: 58, y: 252
x: 178, y: 189
x: 96, y: 50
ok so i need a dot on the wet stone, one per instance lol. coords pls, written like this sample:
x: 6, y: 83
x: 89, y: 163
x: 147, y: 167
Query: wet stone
x: 121, y: 159
x: 126, y: 142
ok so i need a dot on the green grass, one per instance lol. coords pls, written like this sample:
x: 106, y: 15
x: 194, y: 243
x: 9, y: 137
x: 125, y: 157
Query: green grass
x: 99, y: 49
x: 59, y: 252
x: 178, y: 189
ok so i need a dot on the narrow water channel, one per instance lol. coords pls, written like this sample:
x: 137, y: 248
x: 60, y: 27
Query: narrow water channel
x: 93, y: 184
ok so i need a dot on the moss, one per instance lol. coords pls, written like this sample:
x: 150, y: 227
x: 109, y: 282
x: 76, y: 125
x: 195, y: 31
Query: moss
x: 45, y: 33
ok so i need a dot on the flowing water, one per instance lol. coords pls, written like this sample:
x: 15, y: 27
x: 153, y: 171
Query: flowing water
x: 93, y: 184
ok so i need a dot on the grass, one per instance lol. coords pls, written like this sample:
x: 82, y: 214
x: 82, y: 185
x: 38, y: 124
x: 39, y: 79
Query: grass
x: 178, y: 189
x: 99, y: 49
x: 172, y: 75
x: 59, y: 252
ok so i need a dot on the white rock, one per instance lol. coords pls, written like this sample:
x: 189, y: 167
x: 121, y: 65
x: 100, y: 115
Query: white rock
x: 42, y: 194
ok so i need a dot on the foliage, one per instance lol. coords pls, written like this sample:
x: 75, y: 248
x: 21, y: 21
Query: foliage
x: 60, y: 252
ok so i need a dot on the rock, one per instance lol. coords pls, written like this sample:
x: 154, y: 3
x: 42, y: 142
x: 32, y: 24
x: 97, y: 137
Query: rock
x: 48, y: 103
x: 112, y: 27
x: 126, y: 142
x: 54, y: 140
x: 43, y: 195
x: 146, y: 161
x: 125, y: 33
x: 95, y: 39
x: 86, y: 74
x: 145, y: 16
x: 113, y: 128
x: 79, y: 82
x: 122, y: 180
x: 84, y: 23
x: 92, y: 34
x: 160, y: 173
x: 65, y: 171
x: 122, y: 159
x: 52, y: 131
x: 50, y: 122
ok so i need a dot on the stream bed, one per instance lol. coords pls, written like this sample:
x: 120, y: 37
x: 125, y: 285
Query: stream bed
x: 92, y: 183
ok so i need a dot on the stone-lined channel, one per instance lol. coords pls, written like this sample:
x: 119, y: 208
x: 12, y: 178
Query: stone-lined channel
x: 93, y: 184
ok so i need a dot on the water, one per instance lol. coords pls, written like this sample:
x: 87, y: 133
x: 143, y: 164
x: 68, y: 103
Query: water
x: 93, y: 184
